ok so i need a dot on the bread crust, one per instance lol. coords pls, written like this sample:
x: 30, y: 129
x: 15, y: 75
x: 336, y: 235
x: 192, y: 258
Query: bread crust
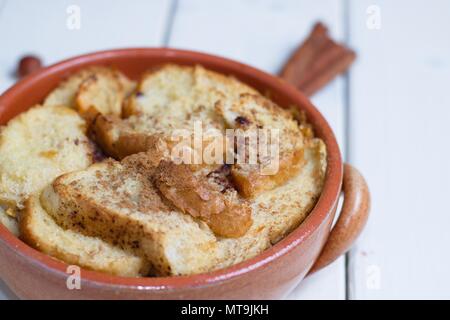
x: 9, y: 221
x: 204, y: 196
x: 254, y: 115
x: 39, y: 230
x: 96, y: 88
x: 118, y: 141
x: 104, y: 91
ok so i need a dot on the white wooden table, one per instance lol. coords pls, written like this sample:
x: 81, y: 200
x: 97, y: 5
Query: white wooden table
x: 391, y: 113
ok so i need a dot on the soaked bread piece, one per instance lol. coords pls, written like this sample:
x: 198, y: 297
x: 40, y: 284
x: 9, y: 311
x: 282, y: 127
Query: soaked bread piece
x: 94, y: 89
x: 122, y: 137
x: 269, y: 143
x: 285, y: 207
x: 206, y: 195
x: 103, y: 92
x: 36, y: 147
x: 39, y: 230
x: 174, y: 90
x: 64, y: 94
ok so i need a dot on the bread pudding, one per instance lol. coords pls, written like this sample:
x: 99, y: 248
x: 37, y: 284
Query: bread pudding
x: 182, y: 172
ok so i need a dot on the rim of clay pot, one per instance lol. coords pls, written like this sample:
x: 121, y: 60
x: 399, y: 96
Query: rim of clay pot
x: 316, y: 217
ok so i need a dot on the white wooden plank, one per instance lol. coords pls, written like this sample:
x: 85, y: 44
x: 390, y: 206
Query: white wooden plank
x: 263, y: 33
x: 41, y: 27
x: 400, y: 122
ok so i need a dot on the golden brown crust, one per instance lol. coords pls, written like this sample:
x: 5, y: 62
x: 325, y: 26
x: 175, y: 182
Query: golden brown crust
x: 129, y: 106
x: 252, y: 183
x: 193, y: 193
x: 24, y: 226
x: 102, y: 131
x: 123, y: 137
x: 256, y: 116
x: 97, y: 219
x: 81, y: 90
x: 111, y: 134
x: 39, y: 230
x: 103, y: 92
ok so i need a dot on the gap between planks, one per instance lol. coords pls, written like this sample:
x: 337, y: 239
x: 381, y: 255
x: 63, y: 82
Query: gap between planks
x: 347, y: 121
x: 170, y: 22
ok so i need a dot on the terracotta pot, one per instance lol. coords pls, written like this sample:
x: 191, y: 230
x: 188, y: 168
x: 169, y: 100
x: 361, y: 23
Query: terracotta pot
x: 270, y: 275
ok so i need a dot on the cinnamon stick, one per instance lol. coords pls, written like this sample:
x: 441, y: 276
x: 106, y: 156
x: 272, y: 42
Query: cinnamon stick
x: 317, y: 61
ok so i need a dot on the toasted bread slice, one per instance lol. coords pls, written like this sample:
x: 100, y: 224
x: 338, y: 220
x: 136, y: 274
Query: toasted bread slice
x: 39, y: 230
x: 64, y: 94
x: 9, y: 221
x: 159, y: 89
x: 118, y: 203
x: 174, y: 89
x: 95, y: 88
x: 36, y: 147
x: 285, y: 207
x: 103, y: 91
x: 122, y: 137
x: 269, y: 143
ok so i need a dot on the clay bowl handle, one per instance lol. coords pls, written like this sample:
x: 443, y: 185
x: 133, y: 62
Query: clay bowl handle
x: 351, y: 221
